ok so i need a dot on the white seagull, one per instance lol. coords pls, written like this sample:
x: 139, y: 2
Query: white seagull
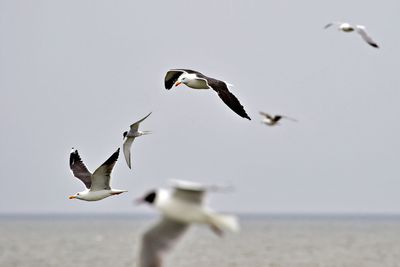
x: 273, y: 120
x: 197, y: 80
x: 98, y: 183
x: 346, y: 27
x: 179, y: 208
x: 130, y: 136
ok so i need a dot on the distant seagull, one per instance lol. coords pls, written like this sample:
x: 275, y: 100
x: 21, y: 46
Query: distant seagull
x: 346, y: 27
x: 273, y: 120
x: 98, y: 183
x: 130, y: 136
x: 196, y: 80
x: 181, y: 207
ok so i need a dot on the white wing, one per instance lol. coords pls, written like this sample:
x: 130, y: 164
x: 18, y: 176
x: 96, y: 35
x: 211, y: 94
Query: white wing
x: 361, y: 30
x: 188, y: 191
x: 135, y: 126
x: 127, y: 150
x: 102, y: 175
x: 158, y: 240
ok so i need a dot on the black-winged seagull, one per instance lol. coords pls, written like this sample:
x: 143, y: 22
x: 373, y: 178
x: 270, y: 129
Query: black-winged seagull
x: 273, y: 120
x: 197, y: 80
x: 97, y: 184
x: 346, y: 27
x: 130, y: 136
x: 179, y: 208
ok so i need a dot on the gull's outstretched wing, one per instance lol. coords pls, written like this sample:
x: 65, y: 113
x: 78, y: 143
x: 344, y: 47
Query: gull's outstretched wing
x: 229, y: 99
x: 79, y: 169
x: 158, y: 240
x: 101, y: 176
x: 361, y: 30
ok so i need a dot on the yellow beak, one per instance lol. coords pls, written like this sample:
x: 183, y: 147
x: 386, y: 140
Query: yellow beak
x: 178, y: 83
x: 72, y: 197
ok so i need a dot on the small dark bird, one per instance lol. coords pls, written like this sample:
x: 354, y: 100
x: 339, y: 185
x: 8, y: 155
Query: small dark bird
x: 273, y: 120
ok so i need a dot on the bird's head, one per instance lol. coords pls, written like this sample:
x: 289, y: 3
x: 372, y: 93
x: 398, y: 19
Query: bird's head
x: 125, y: 134
x: 149, y: 198
x: 182, y: 79
x: 76, y: 196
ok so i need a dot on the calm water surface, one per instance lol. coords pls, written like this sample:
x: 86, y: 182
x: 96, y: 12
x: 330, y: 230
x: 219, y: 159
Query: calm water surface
x: 263, y: 241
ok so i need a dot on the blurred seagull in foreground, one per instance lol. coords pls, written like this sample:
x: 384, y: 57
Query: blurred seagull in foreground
x: 197, y: 80
x: 130, y: 136
x: 273, y: 120
x: 346, y: 27
x: 98, y: 183
x: 179, y: 208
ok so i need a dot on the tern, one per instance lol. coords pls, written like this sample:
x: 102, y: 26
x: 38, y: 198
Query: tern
x: 129, y: 137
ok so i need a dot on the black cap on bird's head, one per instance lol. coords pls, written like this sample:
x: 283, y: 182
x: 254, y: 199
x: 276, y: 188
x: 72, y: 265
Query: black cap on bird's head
x: 149, y: 198
x: 125, y: 134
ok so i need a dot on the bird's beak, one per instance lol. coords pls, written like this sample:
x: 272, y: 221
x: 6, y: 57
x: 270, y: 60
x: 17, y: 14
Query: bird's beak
x: 178, y: 83
x: 146, y: 132
x: 72, y: 197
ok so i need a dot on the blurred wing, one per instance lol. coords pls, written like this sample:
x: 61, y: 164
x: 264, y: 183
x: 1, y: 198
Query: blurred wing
x: 361, y: 30
x: 79, y: 169
x: 229, y: 99
x: 188, y: 191
x: 328, y: 25
x: 101, y: 177
x: 135, y: 126
x: 158, y: 240
x: 289, y: 118
x: 266, y: 115
x: 127, y: 150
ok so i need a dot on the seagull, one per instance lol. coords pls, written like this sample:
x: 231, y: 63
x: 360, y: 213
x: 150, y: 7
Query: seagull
x: 130, y: 136
x: 346, y: 27
x: 273, y: 120
x: 97, y: 184
x: 197, y: 80
x: 179, y: 208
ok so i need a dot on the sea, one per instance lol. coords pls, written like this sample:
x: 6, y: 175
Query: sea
x: 264, y: 241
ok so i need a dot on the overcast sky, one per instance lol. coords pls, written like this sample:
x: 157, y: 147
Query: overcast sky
x: 78, y: 73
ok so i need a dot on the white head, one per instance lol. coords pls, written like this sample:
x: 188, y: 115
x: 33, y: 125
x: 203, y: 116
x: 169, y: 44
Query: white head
x: 154, y: 197
x: 185, y: 78
x: 79, y: 195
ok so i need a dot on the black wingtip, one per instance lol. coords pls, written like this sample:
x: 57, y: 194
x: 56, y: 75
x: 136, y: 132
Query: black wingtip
x: 73, y: 156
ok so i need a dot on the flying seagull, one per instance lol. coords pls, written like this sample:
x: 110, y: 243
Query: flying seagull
x: 180, y: 207
x: 196, y: 80
x: 130, y: 136
x: 97, y: 184
x: 273, y: 120
x: 346, y: 27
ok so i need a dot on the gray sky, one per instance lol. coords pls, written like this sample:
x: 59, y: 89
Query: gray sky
x: 78, y: 73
